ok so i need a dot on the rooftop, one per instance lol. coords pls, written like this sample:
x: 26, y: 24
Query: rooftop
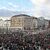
x: 20, y: 15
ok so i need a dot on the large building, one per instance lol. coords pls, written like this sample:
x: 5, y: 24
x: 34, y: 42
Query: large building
x: 42, y: 23
x: 25, y: 22
x: 6, y: 23
x: 22, y: 21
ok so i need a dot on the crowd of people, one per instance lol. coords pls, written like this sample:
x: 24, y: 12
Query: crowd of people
x: 16, y: 41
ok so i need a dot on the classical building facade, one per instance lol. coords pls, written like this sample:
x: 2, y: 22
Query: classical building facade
x: 6, y: 24
x: 23, y: 21
x: 42, y: 23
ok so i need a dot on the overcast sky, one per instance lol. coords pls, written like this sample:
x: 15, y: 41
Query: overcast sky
x: 36, y: 8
